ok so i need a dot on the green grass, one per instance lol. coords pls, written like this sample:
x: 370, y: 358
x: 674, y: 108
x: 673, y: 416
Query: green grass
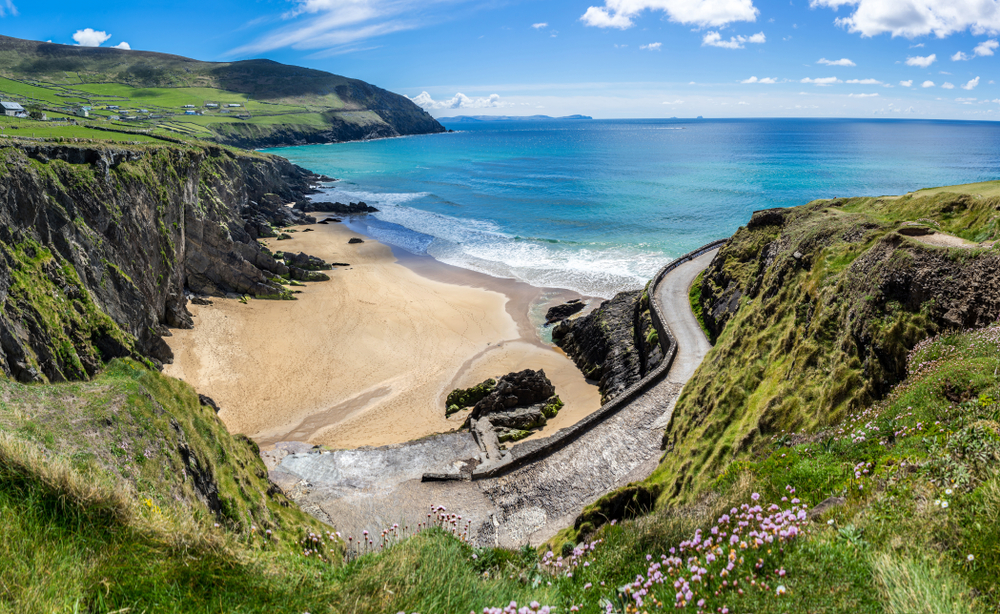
x: 694, y: 298
x: 813, y: 338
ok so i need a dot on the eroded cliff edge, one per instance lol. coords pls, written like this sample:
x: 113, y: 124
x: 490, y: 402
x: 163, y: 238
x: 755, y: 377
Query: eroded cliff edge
x: 98, y: 244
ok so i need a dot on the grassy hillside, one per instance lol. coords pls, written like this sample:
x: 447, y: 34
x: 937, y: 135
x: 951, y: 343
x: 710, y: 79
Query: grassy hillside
x: 253, y: 103
x: 815, y: 309
x: 915, y: 528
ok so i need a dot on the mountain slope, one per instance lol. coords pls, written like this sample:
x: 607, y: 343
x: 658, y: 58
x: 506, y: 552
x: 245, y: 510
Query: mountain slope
x: 259, y: 103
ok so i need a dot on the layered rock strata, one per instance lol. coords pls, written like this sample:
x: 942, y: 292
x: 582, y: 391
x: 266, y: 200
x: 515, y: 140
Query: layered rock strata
x: 99, y: 245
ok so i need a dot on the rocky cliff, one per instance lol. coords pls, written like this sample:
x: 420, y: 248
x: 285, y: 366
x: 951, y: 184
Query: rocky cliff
x: 99, y: 243
x: 615, y: 344
x: 815, y: 309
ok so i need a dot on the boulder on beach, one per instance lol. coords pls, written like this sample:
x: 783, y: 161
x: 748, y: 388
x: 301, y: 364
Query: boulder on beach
x: 561, y: 312
x: 356, y: 240
x: 513, y: 405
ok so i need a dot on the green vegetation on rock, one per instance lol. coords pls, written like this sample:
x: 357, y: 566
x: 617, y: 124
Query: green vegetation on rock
x: 814, y: 310
x: 460, y: 398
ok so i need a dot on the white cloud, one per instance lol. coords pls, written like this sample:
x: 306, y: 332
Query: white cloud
x: 539, y: 26
x: 864, y: 82
x: 985, y: 48
x: 702, y: 13
x: 947, y: 86
x: 714, y: 39
x: 927, y: 84
x: 7, y: 6
x: 863, y: 95
x: 460, y: 101
x: 122, y: 45
x: 971, y: 85
x: 742, y: 102
x: 766, y: 80
x: 907, y: 83
x: 822, y: 81
x: 921, y: 61
x: 912, y: 18
x: 840, y: 62
x: 651, y: 46
x: 965, y: 100
x: 329, y: 24
x: 90, y: 38
x: 673, y: 102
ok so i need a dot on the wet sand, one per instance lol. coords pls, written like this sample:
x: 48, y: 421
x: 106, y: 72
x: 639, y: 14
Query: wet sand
x: 368, y: 357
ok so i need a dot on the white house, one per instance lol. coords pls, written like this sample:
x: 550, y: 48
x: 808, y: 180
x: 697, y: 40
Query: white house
x: 11, y: 109
x: 231, y: 105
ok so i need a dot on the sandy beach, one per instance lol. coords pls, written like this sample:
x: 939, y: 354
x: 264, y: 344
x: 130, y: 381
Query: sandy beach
x: 368, y: 357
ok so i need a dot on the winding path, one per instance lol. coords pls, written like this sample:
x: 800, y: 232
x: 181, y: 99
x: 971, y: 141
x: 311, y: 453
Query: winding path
x: 370, y: 489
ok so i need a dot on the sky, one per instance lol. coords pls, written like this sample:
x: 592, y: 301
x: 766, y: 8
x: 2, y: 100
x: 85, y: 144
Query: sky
x: 605, y: 58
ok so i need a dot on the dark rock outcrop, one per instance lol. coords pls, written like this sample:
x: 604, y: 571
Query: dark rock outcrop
x: 355, y: 240
x: 309, y: 206
x: 561, y: 312
x: 603, y: 344
x: 99, y: 244
x: 511, y: 406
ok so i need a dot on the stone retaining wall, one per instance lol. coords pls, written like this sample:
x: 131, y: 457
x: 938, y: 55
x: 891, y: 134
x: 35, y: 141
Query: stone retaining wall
x: 531, y: 451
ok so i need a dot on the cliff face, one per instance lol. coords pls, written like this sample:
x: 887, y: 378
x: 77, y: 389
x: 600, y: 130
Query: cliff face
x: 815, y: 310
x: 614, y: 344
x: 98, y: 243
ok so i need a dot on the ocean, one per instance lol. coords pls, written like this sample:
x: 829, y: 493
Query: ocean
x: 598, y: 206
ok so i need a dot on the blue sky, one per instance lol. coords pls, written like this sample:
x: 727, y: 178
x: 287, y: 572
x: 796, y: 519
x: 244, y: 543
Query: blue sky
x: 605, y: 58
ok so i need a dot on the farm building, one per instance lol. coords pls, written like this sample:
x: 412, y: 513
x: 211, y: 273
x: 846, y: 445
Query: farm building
x: 231, y: 105
x: 211, y: 105
x: 188, y: 106
x: 82, y: 111
x: 11, y: 109
x: 190, y: 112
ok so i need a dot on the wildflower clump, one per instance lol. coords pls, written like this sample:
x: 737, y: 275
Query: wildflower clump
x: 739, y: 553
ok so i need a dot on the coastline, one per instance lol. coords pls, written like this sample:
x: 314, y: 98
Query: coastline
x: 367, y: 358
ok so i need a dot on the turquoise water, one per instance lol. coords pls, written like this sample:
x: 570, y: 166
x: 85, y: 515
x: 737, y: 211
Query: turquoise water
x: 598, y: 206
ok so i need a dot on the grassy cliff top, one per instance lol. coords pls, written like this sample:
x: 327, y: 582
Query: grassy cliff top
x: 250, y: 103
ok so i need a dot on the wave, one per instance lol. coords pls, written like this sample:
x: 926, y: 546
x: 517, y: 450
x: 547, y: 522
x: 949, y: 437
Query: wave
x: 589, y: 268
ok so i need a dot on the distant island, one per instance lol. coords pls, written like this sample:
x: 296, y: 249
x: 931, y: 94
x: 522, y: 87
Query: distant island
x: 509, y: 118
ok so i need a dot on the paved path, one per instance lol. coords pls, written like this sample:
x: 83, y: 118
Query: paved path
x: 529, y: 504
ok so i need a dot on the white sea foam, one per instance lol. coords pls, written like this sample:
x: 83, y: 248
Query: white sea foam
x: 479, y: 245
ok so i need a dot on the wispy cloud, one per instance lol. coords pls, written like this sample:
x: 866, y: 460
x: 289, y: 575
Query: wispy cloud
x: 328, y: 24
x: 652, y: 46
x: 89, y: 37
x: 864, y: 82
x: 911, y: 19
x: 702, y: 13
x: 906, y: 83
x: 673, y: 102
x: 947, y: 86
x: 714, y: 39
x: 460, y: 101
x: 539, y: 26
x: 766, y: 80
x: 840, y: 62
x: 862, y: 95
x: 921, y: 61
x: 7, y: 8
x: 824, y: 81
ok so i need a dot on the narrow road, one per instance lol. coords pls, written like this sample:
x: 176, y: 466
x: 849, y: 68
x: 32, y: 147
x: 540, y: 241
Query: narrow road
x: 529, y: 504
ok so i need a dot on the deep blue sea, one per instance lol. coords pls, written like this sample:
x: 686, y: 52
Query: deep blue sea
x: 597, y: 206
